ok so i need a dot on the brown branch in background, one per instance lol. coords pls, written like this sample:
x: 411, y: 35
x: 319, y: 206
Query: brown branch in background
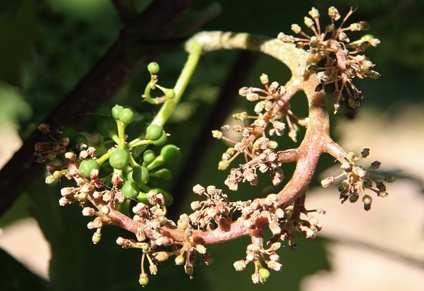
x: 125, y: 8
x: 152, y: 32
x: 223, y: 105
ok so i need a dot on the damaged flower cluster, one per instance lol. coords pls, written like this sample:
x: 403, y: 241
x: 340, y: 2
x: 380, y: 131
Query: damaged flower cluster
x: 336, y: 58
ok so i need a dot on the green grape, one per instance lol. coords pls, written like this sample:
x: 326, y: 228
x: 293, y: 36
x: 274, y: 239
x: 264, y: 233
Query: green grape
x: 164, y: 174
x: 87, y: 166
x: 129, y: 189
x: 119, y: 159
x: 153, y: 68
x: 170, y: 152
x: 142, y: 197
x: 126, y: 116
x: 153, y: 132
x: 141, y: 175
x: 148, y: 156
x: 168, y: 197
x: 116, y: 111
x: 264, y: 274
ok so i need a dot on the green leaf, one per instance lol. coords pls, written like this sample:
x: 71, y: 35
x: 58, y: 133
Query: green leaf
x: 18, y: 27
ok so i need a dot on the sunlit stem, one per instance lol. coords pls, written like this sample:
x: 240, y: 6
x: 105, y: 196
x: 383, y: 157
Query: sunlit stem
x: 104, y: 158
x: 168, y: 107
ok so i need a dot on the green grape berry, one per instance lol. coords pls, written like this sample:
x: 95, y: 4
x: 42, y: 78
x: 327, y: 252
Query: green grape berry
x: 141, y: 175
x: 126, y: 116
x: 170, y: 152
x: 148, y: 156
x: 168, y: 197
x: 142, y: 197
x: 119, y: 159
x: 264, y: 274
x: 87, y: 166
x: 129, y: 189
x: 164, y: 174
x: 153, y: 68
x: 153, y: 132
x: 116, y: 111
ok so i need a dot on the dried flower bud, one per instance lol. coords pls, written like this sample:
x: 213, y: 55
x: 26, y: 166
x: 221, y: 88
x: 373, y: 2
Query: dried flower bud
x: 222, y: 165
x: 375, y: 165
x: 153, y: 269
x: 264, y: 79
x: 240, y: 116
x: 296, y: 28
x: 96, y: 236
x: 217, y: 134
x: 161, y: 256
x: 243, y: 91
x: 314, y: 13
x: 255, y: 278
x: 358, y: 26
x: 195, y: 205
x: 365, y: 152
x: 333, y: 13
x: 325, y: 183
x: 201, y: 249
x: 274, y: 265
x: 179, y: 260
x: 143, y: 280
x: 252, y: 97
x: 199, y: 189
x: 239, y: 265
x: 120, y: 241
x: 367, y: 200
x: 88, y: 211
x: 308, y: 22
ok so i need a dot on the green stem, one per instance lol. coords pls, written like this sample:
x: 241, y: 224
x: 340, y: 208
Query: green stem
x: 138, y: 142
x: 121, y: 132
x: 133, y: 162
x: 103, y: 158
x: 168, y: 107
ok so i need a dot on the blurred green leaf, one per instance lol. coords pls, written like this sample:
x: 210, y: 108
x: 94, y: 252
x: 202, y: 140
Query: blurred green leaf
x: 18, y: 27
x: 13, y: 108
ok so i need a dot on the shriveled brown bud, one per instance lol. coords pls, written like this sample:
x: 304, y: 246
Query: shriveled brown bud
x: 367, y: 200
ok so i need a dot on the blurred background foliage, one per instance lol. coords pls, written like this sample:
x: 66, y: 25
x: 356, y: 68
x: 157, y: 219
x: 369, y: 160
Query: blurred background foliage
x: 46, y: 46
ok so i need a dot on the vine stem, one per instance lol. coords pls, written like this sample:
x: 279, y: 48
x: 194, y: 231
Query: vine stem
x: 187, y: 72
x: 315, y: 142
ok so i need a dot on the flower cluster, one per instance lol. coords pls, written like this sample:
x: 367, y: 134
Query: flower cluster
x: 215, y: 211
x: 282, y: 223
x: 120, y: 185
x: 48, y: 151
x: 336, y: 58
x: 253, y: 136
x: 262, y: 258
x: 357, y: 181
